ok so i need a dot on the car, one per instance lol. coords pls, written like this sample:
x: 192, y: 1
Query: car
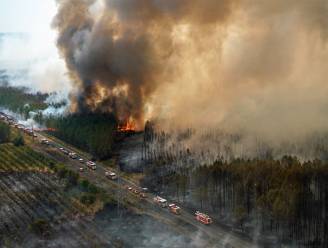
x: 81, y: 160
x: 72, y: 155
x: 111, y: 175
x: 81, y: 169
x: 45, y: 142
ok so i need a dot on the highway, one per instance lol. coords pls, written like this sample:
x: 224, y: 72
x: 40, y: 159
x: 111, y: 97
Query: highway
x: 218, y: 237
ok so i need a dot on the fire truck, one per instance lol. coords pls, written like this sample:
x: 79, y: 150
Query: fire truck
x: 91, y: 165
x: 111, y: 175
x: 174, y: 209
x: 160, y: 201
x: 203, y: 218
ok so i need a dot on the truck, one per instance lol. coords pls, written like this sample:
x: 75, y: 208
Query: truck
x: 160, y: 201
x: 203, y: 218
x: 111, y: 175
x: 91, y: 165
x: 174, y: 209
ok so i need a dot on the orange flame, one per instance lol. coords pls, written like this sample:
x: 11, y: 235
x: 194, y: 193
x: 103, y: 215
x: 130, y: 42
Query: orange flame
x: 128, y: 126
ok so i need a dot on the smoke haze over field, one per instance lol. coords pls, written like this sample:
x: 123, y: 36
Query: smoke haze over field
x: 28, y: 53
x: 259, y: 67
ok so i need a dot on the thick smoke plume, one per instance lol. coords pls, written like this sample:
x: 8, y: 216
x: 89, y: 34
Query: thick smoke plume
x: 252, y: 66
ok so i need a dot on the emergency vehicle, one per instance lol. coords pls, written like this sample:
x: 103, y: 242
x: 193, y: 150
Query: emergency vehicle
x: 91, y: 165
x: 174, y: 209
x: 203, y: 218
x: 160, y: 201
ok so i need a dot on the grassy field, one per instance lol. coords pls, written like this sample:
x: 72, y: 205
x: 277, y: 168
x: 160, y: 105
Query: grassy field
x: 22, y: 159
x: 38, y: 200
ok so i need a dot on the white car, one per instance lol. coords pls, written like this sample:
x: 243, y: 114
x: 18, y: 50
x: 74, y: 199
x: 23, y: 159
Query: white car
x: 111, y: 175
x: 72, y: 155
x: 91, y: 165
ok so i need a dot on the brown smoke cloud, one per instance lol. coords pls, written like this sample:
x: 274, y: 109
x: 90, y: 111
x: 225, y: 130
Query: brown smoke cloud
x: 249, y: 65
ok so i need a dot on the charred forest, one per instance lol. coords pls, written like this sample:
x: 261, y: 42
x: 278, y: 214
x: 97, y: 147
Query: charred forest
x: 285, y: 198
x: 164, y: 123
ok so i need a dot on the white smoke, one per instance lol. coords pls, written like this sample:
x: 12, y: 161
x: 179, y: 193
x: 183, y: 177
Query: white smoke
x: 32, y: 61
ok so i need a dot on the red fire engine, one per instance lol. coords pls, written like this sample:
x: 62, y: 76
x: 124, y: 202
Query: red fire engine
x: 174, y: 209
x: 203, y: 218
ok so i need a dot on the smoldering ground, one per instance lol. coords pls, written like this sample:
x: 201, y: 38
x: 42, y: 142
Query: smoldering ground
x: 109, y: 229
x: 258, y: 67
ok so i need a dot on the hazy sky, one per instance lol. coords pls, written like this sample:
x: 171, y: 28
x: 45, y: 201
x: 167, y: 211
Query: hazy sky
x: 36, y: 52
x: 31, y: 16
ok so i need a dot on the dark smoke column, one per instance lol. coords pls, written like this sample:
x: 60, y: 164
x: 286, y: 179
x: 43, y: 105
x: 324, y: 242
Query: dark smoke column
x: 119, y: 51
x: 109, y: 60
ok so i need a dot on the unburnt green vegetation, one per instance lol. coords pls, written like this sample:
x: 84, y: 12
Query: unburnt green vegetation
x: 19, y: 100
x: 17, y: 158
x: 22, y: 101
x: 93, y: 133
x: 39, y: 199
x: 4, y: 133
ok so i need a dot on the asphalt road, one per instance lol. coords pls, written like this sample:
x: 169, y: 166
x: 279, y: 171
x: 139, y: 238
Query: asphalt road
x: 216, y: 235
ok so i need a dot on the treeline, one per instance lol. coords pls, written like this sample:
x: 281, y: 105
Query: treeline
x: 284, y: 197
x: 6, y: 135
x: 19, y: 100
x: 93, y: 133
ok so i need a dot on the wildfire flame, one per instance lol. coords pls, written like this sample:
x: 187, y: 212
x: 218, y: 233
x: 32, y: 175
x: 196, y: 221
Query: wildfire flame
x: 128, y: 126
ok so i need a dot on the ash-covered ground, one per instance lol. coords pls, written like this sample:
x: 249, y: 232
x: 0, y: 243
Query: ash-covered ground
x: 108, y: 229
x: 130, y: 153
x: 27, y: 197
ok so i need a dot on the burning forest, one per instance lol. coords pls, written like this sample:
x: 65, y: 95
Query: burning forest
x: 210, y: 64
x: 165, y: 123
